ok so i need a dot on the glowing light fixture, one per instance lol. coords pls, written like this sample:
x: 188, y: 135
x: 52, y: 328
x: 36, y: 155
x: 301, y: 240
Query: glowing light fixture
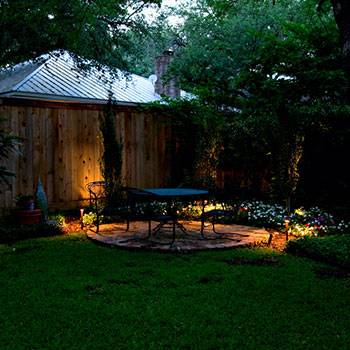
x: 81, y: 218
x: 287, y: 221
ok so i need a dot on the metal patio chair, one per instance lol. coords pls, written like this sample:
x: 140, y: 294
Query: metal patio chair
x: 205, y: 183
x: 225, y: 200
x: 129, y: 204
x: 126, y: 203
x: 100, y: 204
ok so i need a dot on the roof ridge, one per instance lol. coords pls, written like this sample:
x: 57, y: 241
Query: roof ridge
x: 29, y: 76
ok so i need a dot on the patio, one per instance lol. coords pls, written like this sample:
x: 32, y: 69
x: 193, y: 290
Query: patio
x: 235, y: 236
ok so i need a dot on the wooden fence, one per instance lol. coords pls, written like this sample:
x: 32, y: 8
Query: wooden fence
x: 233, y: 178
x: 62, y: 147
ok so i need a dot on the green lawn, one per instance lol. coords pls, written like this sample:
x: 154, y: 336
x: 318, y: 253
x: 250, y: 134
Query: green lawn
x: 68, y: 293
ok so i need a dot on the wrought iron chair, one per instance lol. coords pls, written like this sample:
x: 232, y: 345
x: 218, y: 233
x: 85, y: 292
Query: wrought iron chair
x: 131, y: 204
x: 225, y: 200
x: 125, y: 205
x: 100, y: 204
x: 205, y: 183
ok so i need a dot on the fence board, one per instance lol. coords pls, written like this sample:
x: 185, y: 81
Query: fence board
x: 48, y: 181
x: 14, y: 123
x: 60, y: 166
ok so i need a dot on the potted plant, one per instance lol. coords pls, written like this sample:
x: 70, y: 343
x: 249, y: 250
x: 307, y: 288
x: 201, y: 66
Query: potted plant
x: 27, y: 210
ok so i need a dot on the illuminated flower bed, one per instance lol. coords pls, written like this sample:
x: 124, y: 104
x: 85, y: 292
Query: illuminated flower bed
x: 312, y: 222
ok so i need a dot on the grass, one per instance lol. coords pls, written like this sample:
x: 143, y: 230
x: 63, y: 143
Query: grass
x: 65, y: 292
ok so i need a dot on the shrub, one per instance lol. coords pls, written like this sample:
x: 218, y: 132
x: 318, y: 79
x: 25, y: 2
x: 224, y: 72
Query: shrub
x: 11, y: 233
x: 91, y: 218
x: 334, y: 250
x: 265, y: 215
x: 316, y: 222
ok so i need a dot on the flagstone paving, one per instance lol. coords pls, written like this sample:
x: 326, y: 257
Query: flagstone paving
x: 233, y: 236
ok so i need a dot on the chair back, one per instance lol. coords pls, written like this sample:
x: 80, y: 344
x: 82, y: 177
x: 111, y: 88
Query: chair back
x: 99, y: 193
x: 204, y: 183
x: 142, y: 205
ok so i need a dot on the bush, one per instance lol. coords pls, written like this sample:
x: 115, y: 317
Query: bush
x: 334, y: 250
x: 264, y: 215
x: 316, y: 222
x: 10, y: 233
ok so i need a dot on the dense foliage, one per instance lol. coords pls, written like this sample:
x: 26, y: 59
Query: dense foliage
x: 111, y: 161
x: 331, y: 250
x: 94, y: 29
x: 296, y: 87
x: 152, y: 41
x: 10, y: 232
x: 8, y: 144
x: 273, y: 74
x: 195, y: 139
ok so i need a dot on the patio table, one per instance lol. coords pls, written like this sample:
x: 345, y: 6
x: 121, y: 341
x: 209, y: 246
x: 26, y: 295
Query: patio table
x: 169, y: 195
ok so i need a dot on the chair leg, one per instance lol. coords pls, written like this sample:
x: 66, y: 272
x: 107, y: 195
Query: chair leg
x: 149, y: 229
x: 211, y: 239
x: 139, y: 238
x: 232, y: 233
x: 219, y: 235
x: 127, y: 224
x: 173, y: 238
x: 97, y: 221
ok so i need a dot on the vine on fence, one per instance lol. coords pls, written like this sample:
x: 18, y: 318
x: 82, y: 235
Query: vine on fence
x: 112, y: 157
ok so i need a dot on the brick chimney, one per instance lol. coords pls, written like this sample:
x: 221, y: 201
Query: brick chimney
x: 170, y: 88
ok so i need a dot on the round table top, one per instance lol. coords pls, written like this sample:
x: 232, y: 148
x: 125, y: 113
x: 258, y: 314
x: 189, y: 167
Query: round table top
x: 176, y: 192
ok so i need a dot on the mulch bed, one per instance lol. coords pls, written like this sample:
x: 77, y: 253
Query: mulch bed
x: 73, y: 225
x: 279, y: 240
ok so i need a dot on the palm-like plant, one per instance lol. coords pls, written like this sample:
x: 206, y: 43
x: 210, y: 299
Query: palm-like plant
x: 8, y: 144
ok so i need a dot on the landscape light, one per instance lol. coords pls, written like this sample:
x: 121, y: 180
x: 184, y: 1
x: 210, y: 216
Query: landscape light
x: 287, y: 221
x: 81, y: 218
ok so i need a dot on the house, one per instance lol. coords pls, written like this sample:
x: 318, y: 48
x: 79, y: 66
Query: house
x: 55, y: 107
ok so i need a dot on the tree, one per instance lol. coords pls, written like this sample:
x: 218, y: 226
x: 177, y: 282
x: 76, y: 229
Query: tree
x: 272, y: 71
x: 296, y: 84
x: 153, y: 41
x: 341, y: 10
x: 112, y: 157
x: 94, y: 29
x: 218, y: 39
x: 195, y: 137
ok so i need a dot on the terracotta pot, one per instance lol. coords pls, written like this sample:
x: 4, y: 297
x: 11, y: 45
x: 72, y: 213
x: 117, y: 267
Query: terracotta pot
x: 27, y: 217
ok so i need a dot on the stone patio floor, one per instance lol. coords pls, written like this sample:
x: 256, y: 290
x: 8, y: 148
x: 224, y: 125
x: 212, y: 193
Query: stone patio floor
x: 234, y: 236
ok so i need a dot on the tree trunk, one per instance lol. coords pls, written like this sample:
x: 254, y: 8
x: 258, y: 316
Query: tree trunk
x: 341, y: 10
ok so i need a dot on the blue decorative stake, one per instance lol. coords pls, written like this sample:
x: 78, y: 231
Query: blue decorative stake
x: 40, y: 197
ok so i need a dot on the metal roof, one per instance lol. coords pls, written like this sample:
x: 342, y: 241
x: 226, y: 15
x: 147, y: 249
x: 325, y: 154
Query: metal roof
x: 58, y: 78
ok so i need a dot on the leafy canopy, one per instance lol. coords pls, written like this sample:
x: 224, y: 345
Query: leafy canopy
x: 272, y: 71
x: 94, y: 29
